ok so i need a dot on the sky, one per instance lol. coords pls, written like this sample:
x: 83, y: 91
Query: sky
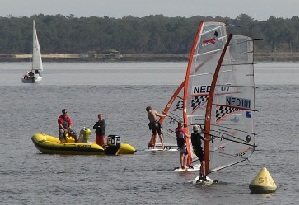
x: 257, y: 9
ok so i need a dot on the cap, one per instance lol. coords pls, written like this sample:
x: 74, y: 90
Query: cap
x: 196, y: 128
x: 64, y: 111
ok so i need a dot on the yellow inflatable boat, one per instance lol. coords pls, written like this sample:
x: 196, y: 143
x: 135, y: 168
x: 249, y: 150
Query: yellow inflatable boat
x: 52, y: 145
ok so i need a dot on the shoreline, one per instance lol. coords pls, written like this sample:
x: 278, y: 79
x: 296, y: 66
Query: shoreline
x: 112, y: 57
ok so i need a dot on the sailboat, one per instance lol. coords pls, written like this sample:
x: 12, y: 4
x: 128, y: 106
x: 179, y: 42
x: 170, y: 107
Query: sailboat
x: 35, y: 74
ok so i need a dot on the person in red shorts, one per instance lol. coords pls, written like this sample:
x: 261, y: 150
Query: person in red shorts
x: 99, y: 126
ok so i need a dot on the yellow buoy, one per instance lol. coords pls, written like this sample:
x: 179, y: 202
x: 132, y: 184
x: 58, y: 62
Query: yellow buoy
x: 263, y: 183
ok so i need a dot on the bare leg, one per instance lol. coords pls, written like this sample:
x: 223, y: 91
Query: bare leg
x: 182, y: 159
x: 161, y: 140
x: 152, y: 142
x: 202, y: 169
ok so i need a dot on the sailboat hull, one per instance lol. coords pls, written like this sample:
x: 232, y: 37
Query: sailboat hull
x: 34, y: 79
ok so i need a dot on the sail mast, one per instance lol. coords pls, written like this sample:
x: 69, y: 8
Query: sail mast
x: 207, y: 124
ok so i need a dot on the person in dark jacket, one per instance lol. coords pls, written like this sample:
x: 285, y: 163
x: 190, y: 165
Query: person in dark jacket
x: 99, y: 126
x: 196, y: 141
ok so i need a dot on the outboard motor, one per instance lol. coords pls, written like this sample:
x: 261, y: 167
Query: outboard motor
x: 84, y: 135
x: 113, y: 144
x: 113, y: 140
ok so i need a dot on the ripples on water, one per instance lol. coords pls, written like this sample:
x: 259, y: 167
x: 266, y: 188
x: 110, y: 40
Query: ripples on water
x: 144, y: 178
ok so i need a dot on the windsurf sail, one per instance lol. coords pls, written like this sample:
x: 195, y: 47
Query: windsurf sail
x: 173, y: 111
x: 207, y: 48
x: 229, y: 116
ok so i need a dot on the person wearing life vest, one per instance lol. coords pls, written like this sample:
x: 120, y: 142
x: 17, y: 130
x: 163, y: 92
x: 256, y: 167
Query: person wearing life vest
x: 181, y: 142
x: 65, y: 124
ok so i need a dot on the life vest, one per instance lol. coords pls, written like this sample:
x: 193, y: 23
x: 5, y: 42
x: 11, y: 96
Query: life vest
x: 65, y: 123
x: 180, y: 137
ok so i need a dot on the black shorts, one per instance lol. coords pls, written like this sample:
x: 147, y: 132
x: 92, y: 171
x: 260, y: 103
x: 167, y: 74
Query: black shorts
x: 156, y: 128
x: 199, y: 153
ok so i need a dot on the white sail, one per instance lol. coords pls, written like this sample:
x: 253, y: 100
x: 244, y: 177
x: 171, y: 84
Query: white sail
x: 207, y: 48
x: 232, y: 107
x: 36, y: 55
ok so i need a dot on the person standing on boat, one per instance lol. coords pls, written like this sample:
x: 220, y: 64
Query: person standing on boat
x: 181, y: 142
x: 99, y: 126
x: 196, y: 141
x: 65, y: 124
x: 155, y: 126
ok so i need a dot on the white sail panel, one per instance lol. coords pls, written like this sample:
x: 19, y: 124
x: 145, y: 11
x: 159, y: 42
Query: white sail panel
x: 207, y: 49
x: 36, y: 55
x: 232, y: 115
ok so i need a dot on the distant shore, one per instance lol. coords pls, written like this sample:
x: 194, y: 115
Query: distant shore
x: 111, y: 57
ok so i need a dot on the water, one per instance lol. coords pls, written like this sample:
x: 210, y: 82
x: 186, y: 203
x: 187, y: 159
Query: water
x: 122, y: 91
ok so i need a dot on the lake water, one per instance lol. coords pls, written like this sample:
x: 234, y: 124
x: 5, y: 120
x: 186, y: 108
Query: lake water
x: 122, y: 91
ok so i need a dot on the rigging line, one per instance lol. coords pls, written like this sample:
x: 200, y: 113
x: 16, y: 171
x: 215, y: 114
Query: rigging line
x: 236, y: 155
x: 214, y: 136
x: 229, y: 165
x: 230, y: 64
x: 230, y: 128
x: 224, y: 132
x: 223, y: 154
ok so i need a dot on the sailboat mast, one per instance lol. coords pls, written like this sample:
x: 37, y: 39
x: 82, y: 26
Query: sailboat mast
x: 207, y: 122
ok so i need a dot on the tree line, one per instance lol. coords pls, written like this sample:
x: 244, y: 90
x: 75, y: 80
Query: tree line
x: 154, y: 34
